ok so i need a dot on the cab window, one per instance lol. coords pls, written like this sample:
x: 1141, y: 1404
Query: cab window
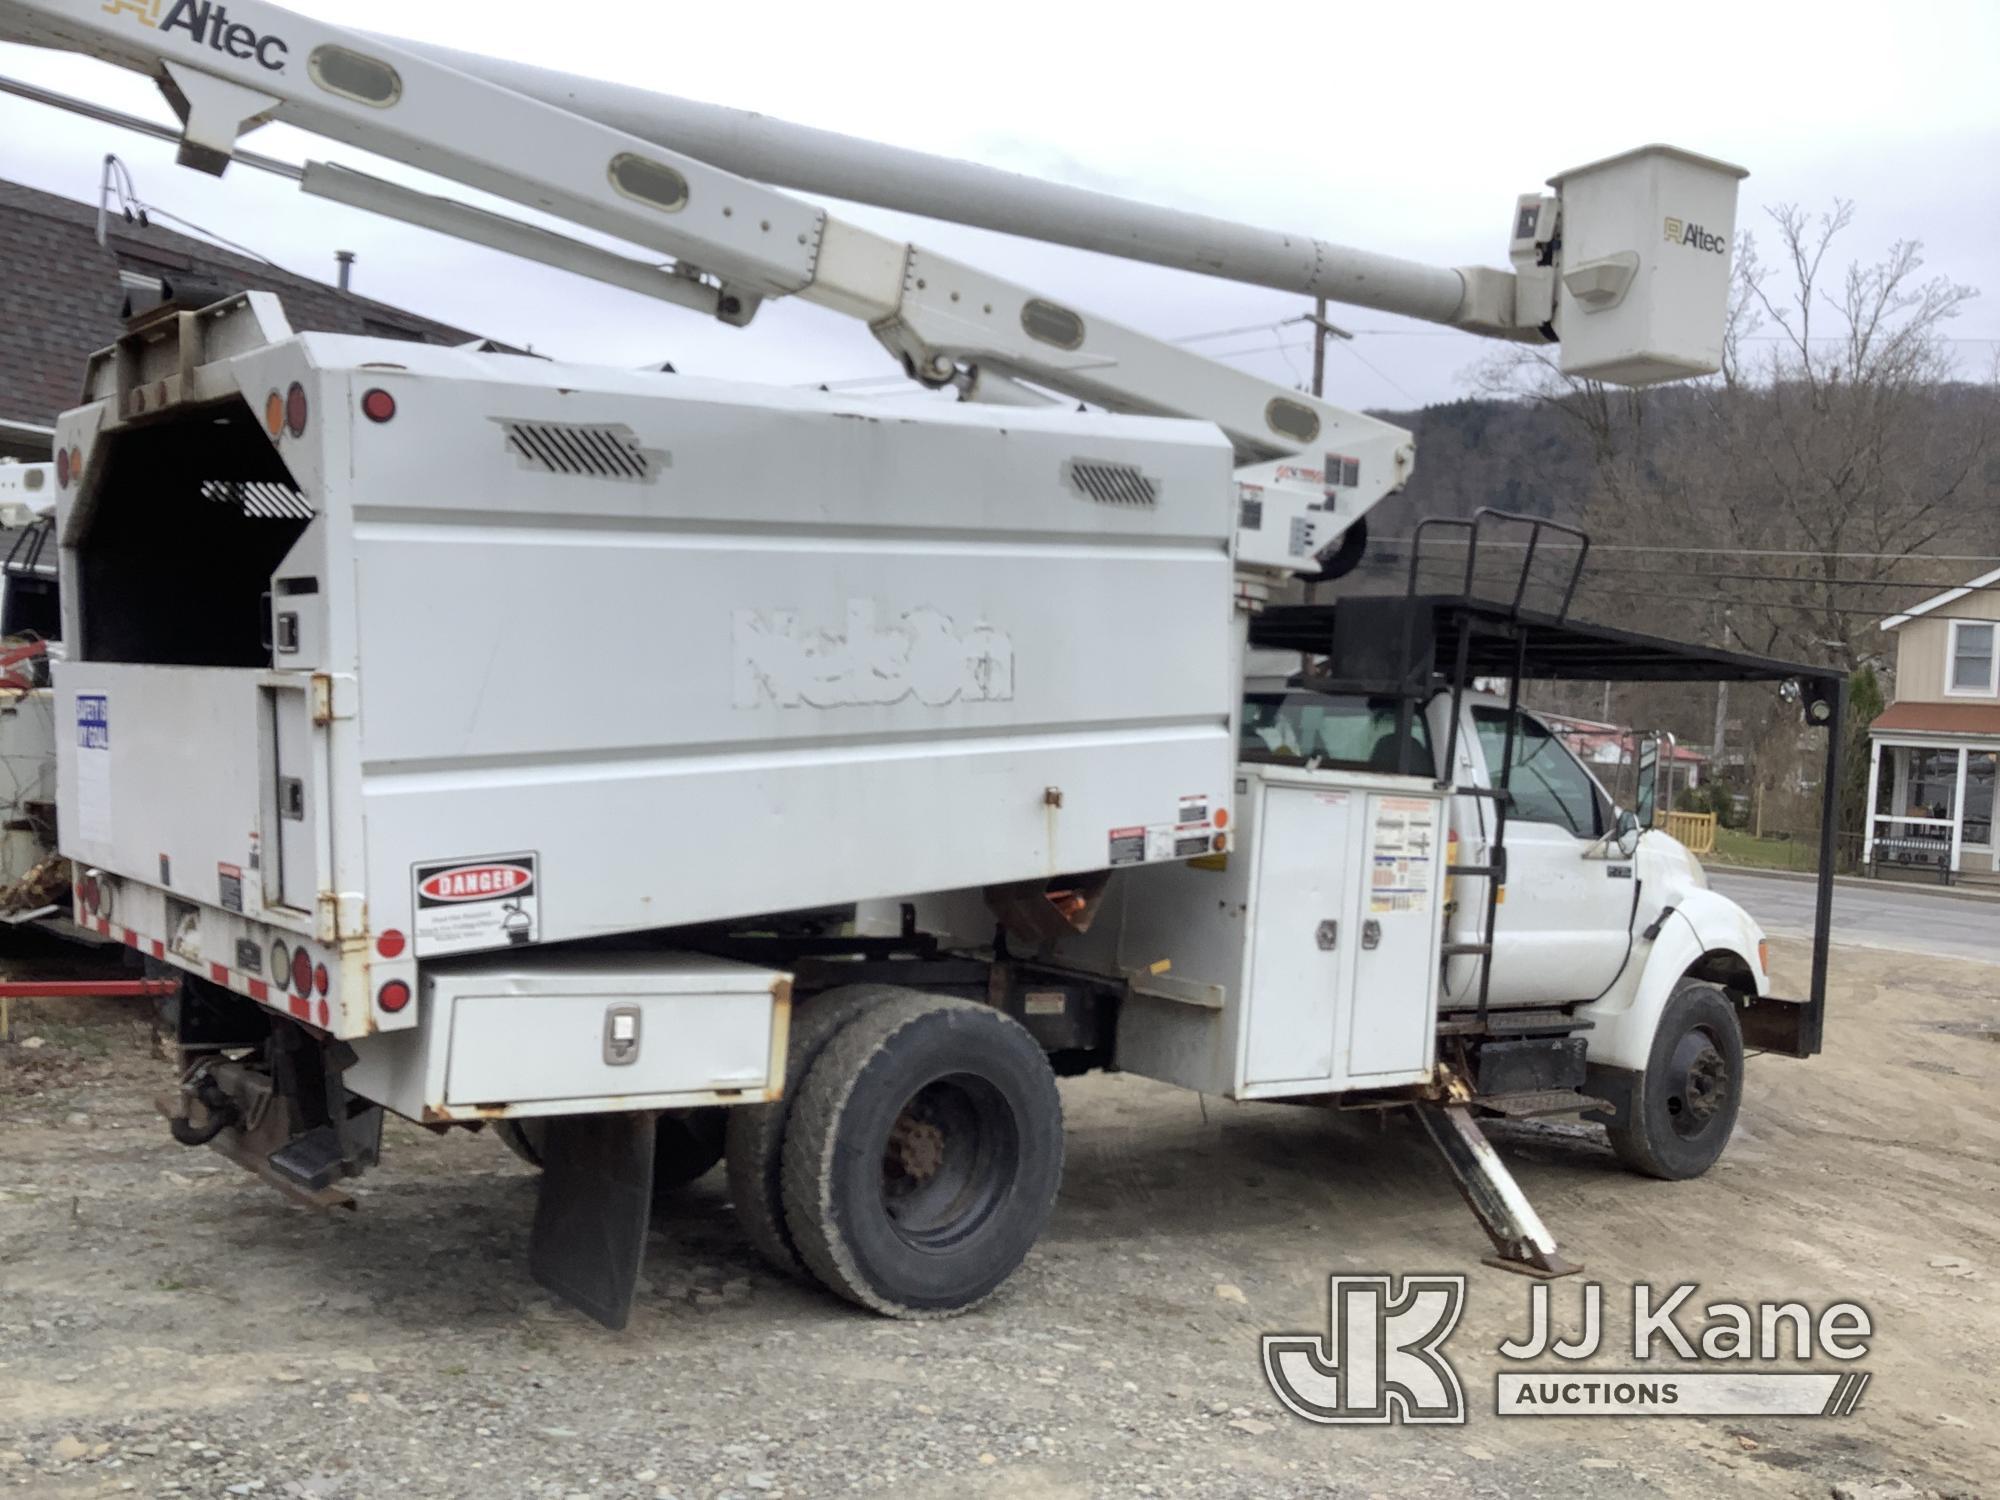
x: 1548, y: 784
x: 1346, y: 730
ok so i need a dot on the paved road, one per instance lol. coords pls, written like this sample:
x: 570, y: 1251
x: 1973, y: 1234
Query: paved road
x: 1875, y: 917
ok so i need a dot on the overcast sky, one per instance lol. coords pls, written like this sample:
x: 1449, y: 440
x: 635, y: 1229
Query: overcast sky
x: 1401, y: 129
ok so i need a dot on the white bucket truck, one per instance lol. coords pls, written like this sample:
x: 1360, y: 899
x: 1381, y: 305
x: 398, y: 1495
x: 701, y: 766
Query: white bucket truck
x: 656, y: 769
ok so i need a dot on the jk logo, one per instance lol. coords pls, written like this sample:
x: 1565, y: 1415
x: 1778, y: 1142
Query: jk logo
x: 1380, y: 1361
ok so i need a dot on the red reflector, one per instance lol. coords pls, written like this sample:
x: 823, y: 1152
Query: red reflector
x: 393, y: 996
x: 320, y: 979
x: 390, y: 944
x: 322, y: 1015
x: 378, y: 405
x: 76, y: 464
x: 302, y: 970
x: 62, y: 467
x: 295, y: 410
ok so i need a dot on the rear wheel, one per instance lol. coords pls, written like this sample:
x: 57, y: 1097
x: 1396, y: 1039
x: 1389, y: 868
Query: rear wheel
x: 923, y: 1156
x: 1681, y: 1116
x: 756, y: 1132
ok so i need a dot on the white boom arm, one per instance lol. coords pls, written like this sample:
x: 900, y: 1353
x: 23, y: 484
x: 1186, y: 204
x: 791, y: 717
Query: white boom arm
x: 731, y: 241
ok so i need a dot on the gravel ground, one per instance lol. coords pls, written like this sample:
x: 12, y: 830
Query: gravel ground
x: 170, y: 1327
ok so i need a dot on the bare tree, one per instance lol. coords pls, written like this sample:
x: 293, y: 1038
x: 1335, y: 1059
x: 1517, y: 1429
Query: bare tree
x: 1837, y: 445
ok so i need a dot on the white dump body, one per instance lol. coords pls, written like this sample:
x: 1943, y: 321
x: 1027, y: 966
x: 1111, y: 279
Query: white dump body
x: 560, y: 652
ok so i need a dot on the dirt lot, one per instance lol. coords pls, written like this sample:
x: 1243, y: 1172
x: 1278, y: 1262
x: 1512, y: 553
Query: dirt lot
x: 167, y: 1326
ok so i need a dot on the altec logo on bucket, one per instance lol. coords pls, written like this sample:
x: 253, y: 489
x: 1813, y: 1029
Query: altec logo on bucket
x: 1680, y: 232
x: 475, y: 882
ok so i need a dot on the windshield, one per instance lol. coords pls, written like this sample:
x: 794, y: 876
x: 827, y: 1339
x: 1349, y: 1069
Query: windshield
x: 1338, y: 729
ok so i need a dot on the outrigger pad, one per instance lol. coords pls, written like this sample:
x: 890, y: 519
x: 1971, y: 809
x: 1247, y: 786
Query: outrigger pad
x: 594, y: 1211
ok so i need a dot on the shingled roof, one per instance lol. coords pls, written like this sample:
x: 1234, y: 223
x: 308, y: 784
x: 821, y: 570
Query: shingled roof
x: 60, y: 296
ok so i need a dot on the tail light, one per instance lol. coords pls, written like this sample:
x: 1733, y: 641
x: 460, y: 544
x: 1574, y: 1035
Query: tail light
x: 93, y: 894
x: 281, y: 960
x: 378, y: 405
x: 274, y: 414
x: 295, y: 410
x: 62, y: 467
x: 302, y: 971
x: 393, y: 996
x: 321, y: 981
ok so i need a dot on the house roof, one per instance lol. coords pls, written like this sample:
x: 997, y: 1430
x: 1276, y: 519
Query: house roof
x: 61, y: 298
x: 1949, y: 596
x: 1940, y: 718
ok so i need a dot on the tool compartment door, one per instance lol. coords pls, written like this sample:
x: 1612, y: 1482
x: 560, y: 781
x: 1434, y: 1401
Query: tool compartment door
x: 1392, y: 1016
x: 1302, y: 943
x: 611, y: 1030
x: 294, y: 831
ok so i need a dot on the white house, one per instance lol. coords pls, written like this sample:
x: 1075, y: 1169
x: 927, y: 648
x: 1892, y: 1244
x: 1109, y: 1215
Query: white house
x: 1937, y: 747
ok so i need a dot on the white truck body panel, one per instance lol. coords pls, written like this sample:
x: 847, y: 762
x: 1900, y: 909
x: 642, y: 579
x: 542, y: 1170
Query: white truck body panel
x: 693, y: 651
x: 1302, y: 962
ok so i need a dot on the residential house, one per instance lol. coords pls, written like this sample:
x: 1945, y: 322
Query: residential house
x: 65, y: 287
x: 1936, y: 748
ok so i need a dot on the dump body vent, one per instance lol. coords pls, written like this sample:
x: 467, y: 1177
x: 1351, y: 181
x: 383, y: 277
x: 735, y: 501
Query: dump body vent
x: 600, y: 450
x: 1110, y: 483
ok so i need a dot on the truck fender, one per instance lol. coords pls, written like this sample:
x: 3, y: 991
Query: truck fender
x: 1708, y: 937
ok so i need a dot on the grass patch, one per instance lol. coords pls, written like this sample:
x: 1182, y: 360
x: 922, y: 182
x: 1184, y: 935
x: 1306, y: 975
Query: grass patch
x: 1738, y: 846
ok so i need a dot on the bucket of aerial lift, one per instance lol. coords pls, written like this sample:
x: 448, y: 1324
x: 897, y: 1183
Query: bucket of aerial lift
x: 1647, y: 245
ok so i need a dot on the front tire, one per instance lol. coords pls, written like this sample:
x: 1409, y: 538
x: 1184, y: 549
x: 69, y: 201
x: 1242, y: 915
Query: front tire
x: 923, y: 1156
x: 1681, y: 1116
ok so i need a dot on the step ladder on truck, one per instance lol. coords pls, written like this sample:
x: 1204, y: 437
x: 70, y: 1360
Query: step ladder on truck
x: 883, y: 770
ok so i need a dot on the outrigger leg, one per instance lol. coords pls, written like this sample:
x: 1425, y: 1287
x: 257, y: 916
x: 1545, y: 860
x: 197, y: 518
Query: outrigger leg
x: 1521, y: 1242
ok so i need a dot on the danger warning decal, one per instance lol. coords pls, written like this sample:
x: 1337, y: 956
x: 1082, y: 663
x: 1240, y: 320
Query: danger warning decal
x: 463, y: 905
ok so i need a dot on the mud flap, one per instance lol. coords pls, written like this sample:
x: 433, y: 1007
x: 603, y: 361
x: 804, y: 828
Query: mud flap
x: 594, y: 1211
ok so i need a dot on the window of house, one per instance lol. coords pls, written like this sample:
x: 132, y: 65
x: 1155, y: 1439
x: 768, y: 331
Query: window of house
x: 1972, y: 659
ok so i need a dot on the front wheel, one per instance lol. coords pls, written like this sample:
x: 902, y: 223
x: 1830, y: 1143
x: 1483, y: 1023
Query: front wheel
x: 922, y: 1156
x: 1684, y: 1111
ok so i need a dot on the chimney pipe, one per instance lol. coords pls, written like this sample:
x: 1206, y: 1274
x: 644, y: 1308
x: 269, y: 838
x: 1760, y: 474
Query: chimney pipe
x: 346, y: 260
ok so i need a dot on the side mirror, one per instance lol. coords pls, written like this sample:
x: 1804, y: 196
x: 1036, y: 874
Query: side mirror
x: 1626, y: 834
x: 1646, y: 797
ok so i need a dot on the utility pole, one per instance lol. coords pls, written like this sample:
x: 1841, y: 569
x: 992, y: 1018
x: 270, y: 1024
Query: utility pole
x: 1319, y: 346
x: 1721, y: 711
x: 1322, y: 331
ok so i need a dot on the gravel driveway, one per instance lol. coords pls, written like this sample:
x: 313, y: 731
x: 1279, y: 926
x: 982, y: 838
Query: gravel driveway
x: 170, y: 1327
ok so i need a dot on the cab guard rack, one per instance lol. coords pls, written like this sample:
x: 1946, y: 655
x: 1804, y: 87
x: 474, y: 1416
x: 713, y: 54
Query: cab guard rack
x: 1414, y: 645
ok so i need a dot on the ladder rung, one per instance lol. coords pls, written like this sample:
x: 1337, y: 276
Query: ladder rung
x: 1466, y: 950
x: 1486, y: 871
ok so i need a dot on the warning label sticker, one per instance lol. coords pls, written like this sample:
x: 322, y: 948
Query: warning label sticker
x: 1404, y: 846
x: 1128, y: 847
x: 229, y: 887
x: 464, y: 905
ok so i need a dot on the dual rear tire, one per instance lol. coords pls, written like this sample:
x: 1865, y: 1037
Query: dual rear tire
x: 915, y: 1157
